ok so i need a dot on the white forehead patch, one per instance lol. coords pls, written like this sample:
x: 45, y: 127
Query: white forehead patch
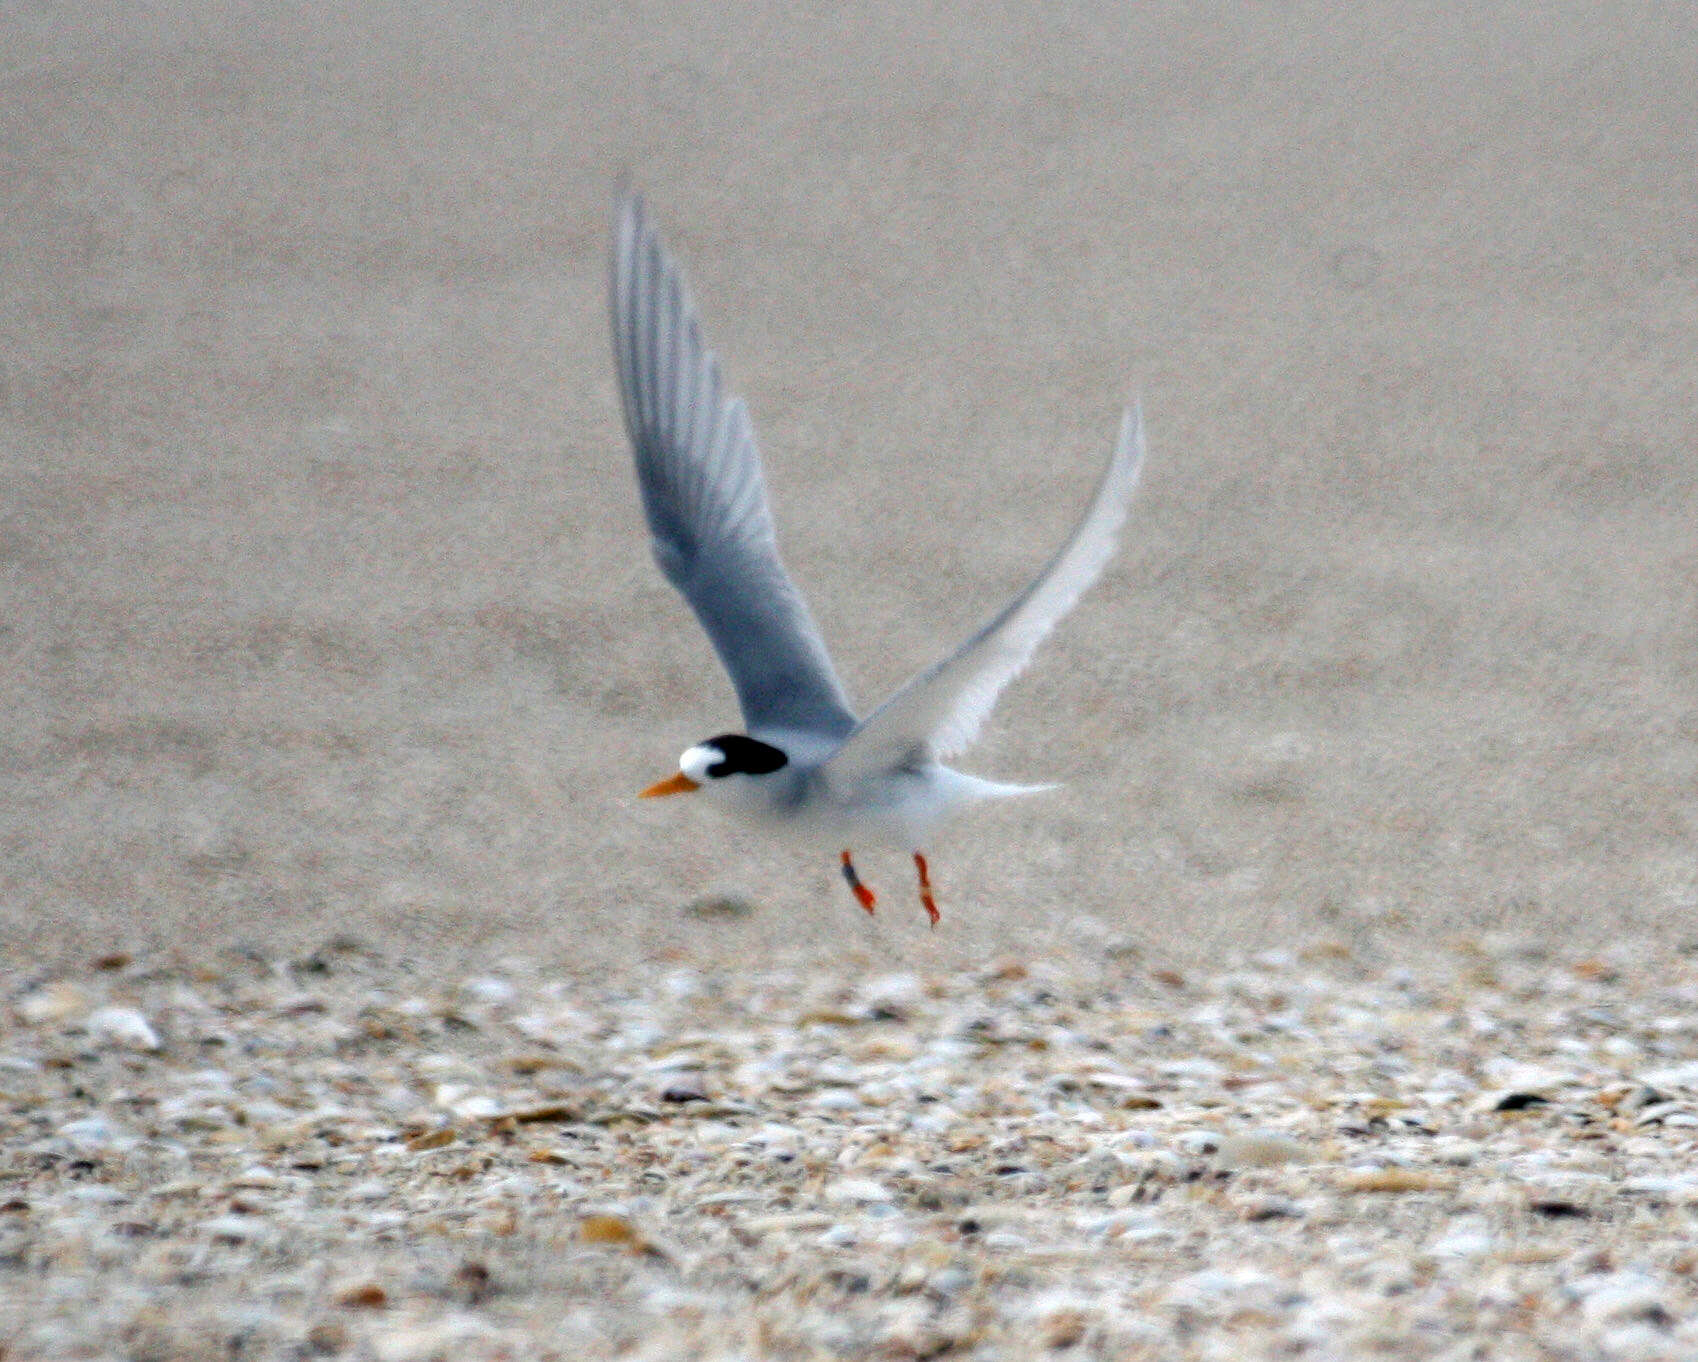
x: 696, y: 760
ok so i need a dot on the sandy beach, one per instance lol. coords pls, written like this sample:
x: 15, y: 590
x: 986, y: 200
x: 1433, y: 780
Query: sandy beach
x: 351, y: 1004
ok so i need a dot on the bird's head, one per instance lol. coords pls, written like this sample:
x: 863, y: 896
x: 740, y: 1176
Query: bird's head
x: 729, y: 762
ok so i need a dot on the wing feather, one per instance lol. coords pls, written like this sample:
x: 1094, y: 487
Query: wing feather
x: 705, y: 500
x: 940, y: 712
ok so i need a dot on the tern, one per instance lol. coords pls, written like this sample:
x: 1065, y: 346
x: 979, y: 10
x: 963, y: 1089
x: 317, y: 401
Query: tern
x: 805, y: 764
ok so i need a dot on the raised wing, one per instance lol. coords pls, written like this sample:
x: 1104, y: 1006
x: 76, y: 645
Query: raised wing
x: 703, y: 494
x: 940, y: 711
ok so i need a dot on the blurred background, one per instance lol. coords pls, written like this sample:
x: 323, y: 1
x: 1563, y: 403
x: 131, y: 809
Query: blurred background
x: 326, y: 608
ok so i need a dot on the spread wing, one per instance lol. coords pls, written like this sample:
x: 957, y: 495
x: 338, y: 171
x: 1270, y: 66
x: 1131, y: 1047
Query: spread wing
x: 939, y: 712
x: 705, y: 499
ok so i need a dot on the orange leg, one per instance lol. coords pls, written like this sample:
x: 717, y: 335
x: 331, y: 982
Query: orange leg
x: 863, y: 895
x: 926, y: 899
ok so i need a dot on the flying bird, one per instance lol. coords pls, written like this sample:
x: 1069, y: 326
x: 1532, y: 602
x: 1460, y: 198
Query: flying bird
x: 805, y: 763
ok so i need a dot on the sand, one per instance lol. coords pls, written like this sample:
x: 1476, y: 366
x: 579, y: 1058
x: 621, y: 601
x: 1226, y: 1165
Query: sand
x: 328, y: 628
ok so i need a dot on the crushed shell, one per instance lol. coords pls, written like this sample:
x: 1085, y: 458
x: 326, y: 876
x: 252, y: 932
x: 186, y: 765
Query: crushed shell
x: 1291, y: 1157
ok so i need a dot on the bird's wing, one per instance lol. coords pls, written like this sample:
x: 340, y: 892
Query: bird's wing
x: 939, y: 712
x: 703, y: 494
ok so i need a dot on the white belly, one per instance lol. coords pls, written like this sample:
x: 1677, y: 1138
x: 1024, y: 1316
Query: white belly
x: 901, y: 810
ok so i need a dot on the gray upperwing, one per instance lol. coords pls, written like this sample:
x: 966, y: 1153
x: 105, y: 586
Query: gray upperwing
x: 700, y: 475
x: 939, y: 712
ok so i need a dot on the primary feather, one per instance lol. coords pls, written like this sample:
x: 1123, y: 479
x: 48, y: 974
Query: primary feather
x: 940, y: 712
x: 705, y: 500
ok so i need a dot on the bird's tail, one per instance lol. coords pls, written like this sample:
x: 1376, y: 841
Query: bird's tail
x: 996, y: 789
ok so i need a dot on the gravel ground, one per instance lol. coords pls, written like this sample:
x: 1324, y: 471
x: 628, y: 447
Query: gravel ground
x: 336, y: 1155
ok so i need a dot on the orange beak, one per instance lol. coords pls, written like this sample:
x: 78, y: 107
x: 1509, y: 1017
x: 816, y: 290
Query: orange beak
x: 678, y: 784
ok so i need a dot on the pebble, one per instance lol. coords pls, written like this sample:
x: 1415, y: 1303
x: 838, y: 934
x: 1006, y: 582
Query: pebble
x: 105, y: 1196
x: 236, y: 1229
x: 856, y: 1190
x: 1468, y: 1240
x: 58, y: 1002
x: 1262, y: 1149
x: 96, y: 1135
x: 121, y: 1026
x: 1059, y: 1153
x: 1684, y: 1076
x: 441, y: 1341
x: 1620, y: 1297
x: 491, y: 992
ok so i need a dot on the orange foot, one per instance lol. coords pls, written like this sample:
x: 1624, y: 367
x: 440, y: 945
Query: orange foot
x: 926, y: 900
x: 863, y: 895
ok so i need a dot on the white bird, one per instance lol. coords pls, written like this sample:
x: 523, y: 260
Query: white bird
x: 806, y: 764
